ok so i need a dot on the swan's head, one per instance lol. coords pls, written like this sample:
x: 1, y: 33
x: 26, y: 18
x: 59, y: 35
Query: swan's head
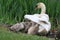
x: 40, y: 5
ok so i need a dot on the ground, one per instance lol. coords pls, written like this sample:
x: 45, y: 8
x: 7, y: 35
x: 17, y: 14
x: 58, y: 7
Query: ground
x: 5, y: 34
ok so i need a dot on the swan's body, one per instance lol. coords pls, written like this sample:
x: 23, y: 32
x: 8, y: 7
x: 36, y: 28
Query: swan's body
x: 40, y: 18
x: 44, y: 17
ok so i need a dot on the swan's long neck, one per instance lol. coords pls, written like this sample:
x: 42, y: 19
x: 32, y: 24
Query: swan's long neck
x: 43, y: 9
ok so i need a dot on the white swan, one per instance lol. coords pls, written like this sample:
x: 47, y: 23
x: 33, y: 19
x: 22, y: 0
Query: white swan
x: 42, y: 15
x: 42, y: 18
x: 36, y: 17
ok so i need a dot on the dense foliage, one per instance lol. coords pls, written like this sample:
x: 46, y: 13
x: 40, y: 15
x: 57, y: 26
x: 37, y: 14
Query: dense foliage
x: 13, y: 11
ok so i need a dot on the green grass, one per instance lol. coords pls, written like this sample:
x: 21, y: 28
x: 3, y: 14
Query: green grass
x: 7, y: 35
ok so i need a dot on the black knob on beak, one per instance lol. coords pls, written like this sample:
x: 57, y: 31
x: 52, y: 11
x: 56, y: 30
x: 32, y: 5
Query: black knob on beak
x: 36, y: 7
